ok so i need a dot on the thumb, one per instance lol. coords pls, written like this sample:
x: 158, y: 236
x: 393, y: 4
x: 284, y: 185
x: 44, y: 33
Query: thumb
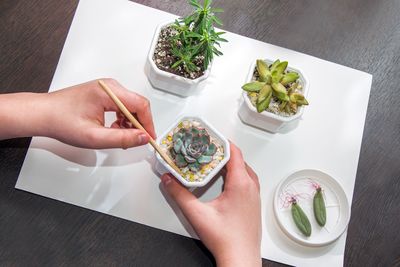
x: 186, y: 201
x: 103, y: 137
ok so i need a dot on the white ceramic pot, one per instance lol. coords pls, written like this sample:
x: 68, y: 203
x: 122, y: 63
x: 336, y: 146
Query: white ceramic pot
x: 168, y: 81
x: 162, y: 167
x: 267, y: 120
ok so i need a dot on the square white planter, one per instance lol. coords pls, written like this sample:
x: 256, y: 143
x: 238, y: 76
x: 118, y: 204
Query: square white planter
x: 267, y: 120
x: 162, y: 167
x: 170, y: 82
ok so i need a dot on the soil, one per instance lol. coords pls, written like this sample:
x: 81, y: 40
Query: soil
x: 164, y: 59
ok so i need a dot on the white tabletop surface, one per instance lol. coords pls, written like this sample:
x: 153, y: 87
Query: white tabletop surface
x: 111, y: 38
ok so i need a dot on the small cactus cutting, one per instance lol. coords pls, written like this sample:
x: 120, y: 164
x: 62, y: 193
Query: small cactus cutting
x: 300, y: 218
x: 319, y: 206
x: 274, y: 82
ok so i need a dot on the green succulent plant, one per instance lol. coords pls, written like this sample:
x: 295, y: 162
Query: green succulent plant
x: 275, y: 81
x: 196, y: 36
x: 192, y: 147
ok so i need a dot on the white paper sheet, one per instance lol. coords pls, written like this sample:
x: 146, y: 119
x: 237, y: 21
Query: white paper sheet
x: 111, y: 38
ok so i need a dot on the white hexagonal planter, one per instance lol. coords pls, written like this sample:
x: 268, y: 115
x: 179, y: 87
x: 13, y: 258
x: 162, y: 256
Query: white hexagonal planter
x: 168, y: 81
x: 267, y: 120
x: 162, y: 167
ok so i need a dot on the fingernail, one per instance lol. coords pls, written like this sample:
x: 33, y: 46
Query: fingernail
x: 143, y: 139
x: 165, y: 179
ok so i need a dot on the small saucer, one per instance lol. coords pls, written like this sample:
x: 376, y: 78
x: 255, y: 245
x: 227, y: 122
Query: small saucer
x: 300, y: 185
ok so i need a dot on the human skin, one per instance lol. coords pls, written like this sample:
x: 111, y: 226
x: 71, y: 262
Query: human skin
x: 230, y: 225
x: 75, y: 116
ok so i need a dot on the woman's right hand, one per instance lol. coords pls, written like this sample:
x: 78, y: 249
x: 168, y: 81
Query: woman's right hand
x: 230, y: 225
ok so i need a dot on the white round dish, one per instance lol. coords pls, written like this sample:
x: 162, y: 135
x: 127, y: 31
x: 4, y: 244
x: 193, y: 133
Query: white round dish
x: 300, y: 186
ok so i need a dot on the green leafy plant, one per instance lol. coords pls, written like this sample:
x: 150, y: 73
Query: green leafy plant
x: 186, y: 57
x: 275, y: 81
x: 192, y: 148
x: 196, y: 37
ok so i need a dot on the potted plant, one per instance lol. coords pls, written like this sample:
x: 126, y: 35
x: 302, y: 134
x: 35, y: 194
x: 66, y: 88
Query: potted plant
x: 182, y: 52
x: 197, y: 149
x: 273, y: 96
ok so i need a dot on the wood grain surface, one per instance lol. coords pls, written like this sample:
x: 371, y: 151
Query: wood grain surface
x: 362, y: 34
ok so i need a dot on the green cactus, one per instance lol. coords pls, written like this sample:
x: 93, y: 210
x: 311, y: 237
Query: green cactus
x: 192, y: 147
x: 275, y: 81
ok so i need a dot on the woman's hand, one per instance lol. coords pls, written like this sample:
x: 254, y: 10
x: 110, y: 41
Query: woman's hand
x: 75, y: 116
x: 230, y: 225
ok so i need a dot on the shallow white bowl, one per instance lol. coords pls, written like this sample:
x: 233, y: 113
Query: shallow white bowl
x: 267, y: 120
x: 337, y: 207
x: 170, y: 82
x: 162, y: 167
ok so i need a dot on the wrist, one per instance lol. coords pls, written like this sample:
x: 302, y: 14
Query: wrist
x: 23, y: 115
x: 240, y: 257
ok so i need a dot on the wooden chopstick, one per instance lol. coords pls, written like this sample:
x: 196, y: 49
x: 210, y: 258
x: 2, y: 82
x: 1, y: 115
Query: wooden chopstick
x: 136, y: 123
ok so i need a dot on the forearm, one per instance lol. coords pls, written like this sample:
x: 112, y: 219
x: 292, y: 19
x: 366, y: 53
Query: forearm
x: 242, y: 257
x: 23, y: 115
x: 239, y: 261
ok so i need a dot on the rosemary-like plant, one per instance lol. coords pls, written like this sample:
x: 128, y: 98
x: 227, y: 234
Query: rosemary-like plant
x: 196, y: 37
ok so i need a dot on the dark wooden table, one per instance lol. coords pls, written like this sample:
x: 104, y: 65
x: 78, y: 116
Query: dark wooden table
x: 362, y: 34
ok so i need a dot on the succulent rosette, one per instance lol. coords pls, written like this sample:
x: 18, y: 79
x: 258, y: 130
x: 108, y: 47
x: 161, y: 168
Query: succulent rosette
x: 197, y: 149
x: 192, y: 147
x: 274, y: 83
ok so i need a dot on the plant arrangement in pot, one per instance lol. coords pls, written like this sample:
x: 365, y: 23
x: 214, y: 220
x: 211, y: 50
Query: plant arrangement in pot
x: 273, y: 96
x: 196, y: 148
x: 182, y: 52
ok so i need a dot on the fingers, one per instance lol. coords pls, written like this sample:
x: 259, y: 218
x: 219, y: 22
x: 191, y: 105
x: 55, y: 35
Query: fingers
x: 253, y: 175
x: 236, y: 161
x: 142, y: 110
x: 134, y: 102
x: 186, y: 201
x: 116, y: 124
x: 122, y: 123
x: 236, y: 164
x: 238, y: 172
x: 101, y: 137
